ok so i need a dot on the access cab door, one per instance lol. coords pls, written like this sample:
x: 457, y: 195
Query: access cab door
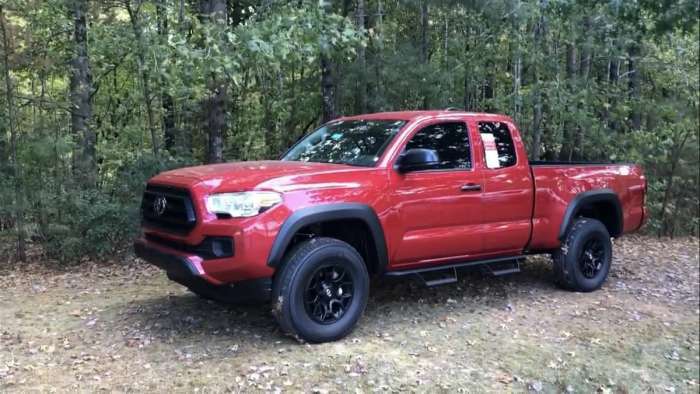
x: 439, y: 210
x: 507, y: 192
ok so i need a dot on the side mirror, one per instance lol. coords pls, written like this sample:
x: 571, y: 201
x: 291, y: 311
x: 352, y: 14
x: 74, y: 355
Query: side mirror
x: 417, y: 159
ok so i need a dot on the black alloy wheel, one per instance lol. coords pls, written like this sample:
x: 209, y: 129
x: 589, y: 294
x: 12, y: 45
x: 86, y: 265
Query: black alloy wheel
x: 591, y: 258
x: 328, y: 294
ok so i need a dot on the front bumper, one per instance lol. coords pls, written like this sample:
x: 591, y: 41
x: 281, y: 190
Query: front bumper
x: 188, y: 271
x: 177, y: 266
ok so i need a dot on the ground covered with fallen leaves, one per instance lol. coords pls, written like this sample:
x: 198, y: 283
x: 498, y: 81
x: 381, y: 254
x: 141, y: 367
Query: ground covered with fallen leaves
x: 125, y: 327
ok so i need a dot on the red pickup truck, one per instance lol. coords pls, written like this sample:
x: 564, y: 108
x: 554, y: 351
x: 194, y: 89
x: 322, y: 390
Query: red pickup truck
x: 418, y: 193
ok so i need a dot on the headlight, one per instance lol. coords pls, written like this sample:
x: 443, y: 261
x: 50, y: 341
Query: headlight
x: 243, y: 204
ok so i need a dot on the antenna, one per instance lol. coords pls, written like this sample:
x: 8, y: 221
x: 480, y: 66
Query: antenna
x: 453, y: 109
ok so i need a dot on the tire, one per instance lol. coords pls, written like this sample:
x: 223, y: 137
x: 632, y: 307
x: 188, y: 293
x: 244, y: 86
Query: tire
x: 321, y: 290
x: 582, y: 263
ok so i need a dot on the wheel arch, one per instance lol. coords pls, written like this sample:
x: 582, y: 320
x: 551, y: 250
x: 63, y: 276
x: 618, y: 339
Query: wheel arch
x: 601, y: 204
x: 328, y: 213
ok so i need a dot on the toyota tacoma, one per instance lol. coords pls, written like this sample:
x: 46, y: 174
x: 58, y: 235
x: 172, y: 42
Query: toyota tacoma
x: 416, y: 193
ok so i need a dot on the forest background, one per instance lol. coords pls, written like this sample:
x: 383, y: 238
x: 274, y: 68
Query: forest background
x: 97, y: 96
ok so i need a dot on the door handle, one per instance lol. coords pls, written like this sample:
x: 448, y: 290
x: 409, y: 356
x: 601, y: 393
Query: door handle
x: 471, y: 187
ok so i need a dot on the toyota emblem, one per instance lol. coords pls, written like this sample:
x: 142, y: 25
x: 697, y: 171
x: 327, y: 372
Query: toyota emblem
x: 160, y: 204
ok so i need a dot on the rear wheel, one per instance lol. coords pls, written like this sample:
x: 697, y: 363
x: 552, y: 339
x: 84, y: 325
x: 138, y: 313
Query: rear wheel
x: 321, y: 290
x: 583, y: 261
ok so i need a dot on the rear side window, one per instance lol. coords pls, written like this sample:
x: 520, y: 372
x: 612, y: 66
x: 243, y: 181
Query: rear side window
x: 503, y: 140
x: 449, y: 140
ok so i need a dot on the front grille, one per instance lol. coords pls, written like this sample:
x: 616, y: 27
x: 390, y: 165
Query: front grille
x: 168, y: 209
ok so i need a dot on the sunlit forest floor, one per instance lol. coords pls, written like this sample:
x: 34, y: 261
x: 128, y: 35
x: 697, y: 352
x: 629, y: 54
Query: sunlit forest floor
x: 125, y: 327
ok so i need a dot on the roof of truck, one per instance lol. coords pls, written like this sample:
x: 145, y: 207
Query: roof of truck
x: 412, y: 115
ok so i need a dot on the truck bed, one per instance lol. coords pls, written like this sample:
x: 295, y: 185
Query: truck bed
x: 540, y: 163
x: 558, y: 183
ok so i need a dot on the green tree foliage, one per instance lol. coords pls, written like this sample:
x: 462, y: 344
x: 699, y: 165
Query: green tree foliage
x: 585, y: 80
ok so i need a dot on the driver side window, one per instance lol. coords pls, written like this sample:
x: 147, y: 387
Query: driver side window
x: 449, y: 140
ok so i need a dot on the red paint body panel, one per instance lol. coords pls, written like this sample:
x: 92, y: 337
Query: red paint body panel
x: 557, y: 185
x: 426, y: 218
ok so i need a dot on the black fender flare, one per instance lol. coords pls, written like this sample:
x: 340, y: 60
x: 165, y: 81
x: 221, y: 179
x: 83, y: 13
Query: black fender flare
x: 324, y: 213
x: 589, y: 197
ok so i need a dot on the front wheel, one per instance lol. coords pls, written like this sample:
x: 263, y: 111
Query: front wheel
x: 321, y: 290
x: 583, y: 261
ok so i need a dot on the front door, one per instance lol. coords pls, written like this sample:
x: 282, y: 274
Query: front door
x: 440, y: 208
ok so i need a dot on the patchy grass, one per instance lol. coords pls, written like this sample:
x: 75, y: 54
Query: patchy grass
x: 127, y: 328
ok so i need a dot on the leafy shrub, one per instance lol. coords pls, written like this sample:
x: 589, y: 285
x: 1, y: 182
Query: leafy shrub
x: 74, y: 222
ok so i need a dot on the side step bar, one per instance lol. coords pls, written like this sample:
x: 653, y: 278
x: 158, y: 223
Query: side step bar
x: 446, y: 274
x: 502, y: 267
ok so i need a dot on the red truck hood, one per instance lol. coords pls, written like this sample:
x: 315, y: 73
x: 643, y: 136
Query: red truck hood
x: 248, y: 175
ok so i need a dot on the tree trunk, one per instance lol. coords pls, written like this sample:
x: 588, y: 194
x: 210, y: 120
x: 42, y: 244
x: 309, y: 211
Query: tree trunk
x: 577, y: 151
x: 469, y: 95
x: 424, y: 46
x: 361, y: 63
x: 327, y: 79
x: 487, y: 91
x: 586, y: 50
x: 539, y: 46
x: 613, y: 77
x: 675, y: 159
x: 4, y: 148
x: 267, y: 97
x: 187, y: 110
x: 517, y: 75
x: 536, y: 124
x: 80, y: 92
x: 634, y: 86
x: 290, y: 123
x: 214, y: 111
x: 134, y: 17
x: 166, y: 100
x: 16, y: 170
x: 567, y: 143
x: 517, y: 63
x: 614, y: 70
x: 327, y: 90
x: 376, y: 102
x: 424, y: 31
x: 4, y: 155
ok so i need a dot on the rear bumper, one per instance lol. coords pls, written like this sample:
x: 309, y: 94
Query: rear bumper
x: 188, y: 271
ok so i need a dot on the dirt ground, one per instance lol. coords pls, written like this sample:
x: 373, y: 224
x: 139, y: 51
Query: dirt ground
x: 127, y: 328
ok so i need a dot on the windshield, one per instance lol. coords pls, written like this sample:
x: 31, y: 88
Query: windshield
x: 353, y: 142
